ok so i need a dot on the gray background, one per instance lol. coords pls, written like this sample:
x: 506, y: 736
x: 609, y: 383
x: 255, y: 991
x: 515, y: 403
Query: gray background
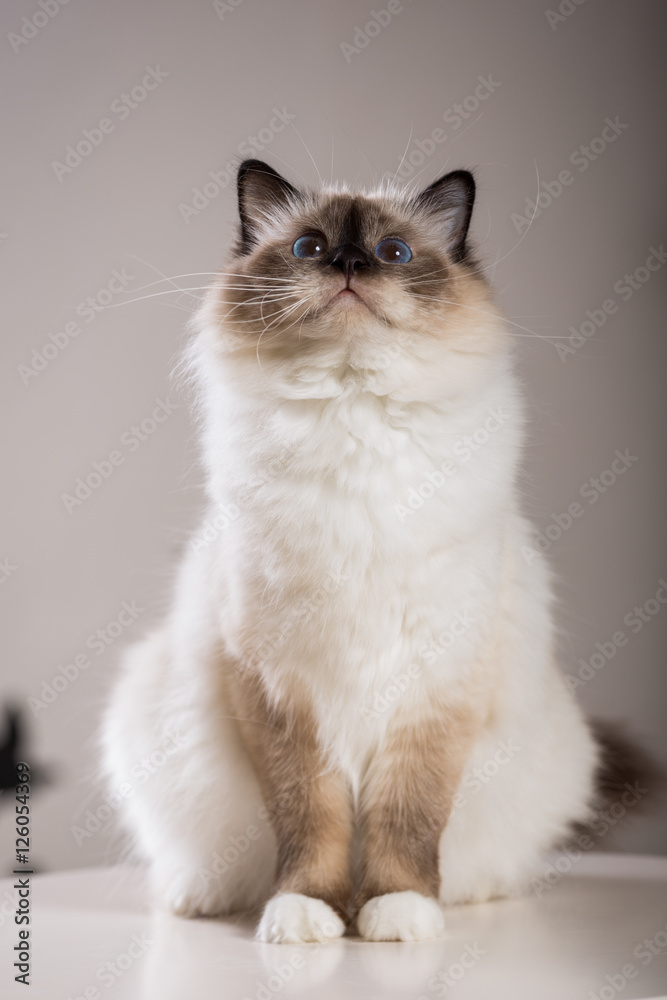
x: 60, y: 241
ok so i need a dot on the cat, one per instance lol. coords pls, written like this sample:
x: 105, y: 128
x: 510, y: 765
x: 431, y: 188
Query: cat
x: 358, y: 672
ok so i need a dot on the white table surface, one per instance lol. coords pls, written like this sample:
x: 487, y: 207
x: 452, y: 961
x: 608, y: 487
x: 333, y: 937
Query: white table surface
x: 570, y: 943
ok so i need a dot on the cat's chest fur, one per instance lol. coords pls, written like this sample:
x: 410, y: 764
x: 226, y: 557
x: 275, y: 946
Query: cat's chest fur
x: 362, y: 472
x: 393, y: 516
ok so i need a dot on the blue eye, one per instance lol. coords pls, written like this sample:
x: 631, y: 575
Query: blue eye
x: 393, y: 251
x: 310, y: 245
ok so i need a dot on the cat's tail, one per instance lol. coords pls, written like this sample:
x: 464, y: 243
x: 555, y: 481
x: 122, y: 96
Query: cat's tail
x: 627, y: 780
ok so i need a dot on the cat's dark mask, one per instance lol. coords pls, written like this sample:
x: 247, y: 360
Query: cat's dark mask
x: 336, y: 266
x: 262, y: 191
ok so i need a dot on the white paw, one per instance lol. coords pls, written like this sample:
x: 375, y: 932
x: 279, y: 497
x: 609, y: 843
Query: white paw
x: 292, y: 919
x: 400, y: 916
x: 191, y: 900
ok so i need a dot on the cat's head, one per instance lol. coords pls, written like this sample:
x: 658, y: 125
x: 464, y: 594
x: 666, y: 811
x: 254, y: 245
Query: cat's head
x: 338, y: 278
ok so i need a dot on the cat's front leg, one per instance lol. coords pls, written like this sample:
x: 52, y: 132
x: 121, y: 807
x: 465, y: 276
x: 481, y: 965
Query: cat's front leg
x: 309, y: 807
x: 405, y: 804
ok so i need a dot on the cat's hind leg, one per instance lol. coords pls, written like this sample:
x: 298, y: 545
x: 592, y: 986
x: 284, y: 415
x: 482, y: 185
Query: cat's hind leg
x: 191, y: 801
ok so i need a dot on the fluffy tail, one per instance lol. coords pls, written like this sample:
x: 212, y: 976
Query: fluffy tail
x: 627, y: 780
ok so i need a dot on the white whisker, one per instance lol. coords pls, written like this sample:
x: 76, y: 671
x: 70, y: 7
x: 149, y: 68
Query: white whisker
x: 495, y: 263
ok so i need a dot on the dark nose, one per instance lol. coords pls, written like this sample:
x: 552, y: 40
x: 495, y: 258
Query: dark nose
x: 349, y: 259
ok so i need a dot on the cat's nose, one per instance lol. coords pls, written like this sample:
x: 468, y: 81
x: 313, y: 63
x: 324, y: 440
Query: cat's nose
x: 349, y: 259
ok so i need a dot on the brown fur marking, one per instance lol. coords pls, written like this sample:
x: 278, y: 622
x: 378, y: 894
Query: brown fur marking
x: 308, y: 802
x: 406, y: 801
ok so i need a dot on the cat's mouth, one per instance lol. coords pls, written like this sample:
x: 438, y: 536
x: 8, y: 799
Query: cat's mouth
x: 348, y: 297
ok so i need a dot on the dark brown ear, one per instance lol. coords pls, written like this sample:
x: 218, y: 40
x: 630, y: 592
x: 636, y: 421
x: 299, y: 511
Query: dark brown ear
x: 450, y: 200
x: 260, y: 189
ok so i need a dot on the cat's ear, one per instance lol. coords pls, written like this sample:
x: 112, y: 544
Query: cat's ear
x: 450, y: 200
x: 260, y: 189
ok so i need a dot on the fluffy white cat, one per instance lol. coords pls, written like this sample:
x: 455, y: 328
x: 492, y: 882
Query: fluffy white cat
x: 359, y: 661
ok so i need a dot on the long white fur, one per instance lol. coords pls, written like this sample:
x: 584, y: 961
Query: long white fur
x: 353, y: 437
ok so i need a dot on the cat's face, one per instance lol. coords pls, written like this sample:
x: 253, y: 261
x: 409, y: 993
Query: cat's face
x: 347, y: 274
